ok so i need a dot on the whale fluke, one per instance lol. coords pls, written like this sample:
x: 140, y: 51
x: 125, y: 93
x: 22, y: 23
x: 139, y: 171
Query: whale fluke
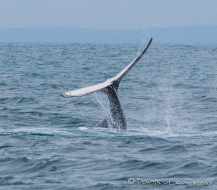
x: 116, y: 118
x: 116, y: 79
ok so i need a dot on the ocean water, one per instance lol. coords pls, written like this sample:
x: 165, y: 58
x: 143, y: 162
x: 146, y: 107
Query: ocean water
x: 49, y: 142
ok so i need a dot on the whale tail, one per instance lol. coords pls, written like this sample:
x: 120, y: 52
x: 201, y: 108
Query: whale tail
x: 114, y: 81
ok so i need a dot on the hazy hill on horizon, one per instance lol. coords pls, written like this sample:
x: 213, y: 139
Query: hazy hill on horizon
x: 170, y: 35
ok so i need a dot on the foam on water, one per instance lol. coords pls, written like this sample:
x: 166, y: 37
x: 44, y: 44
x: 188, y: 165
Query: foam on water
x: 97, y: 132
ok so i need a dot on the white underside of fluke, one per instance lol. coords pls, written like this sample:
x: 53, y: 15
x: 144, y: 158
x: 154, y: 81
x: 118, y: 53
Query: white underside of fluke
x: 87, y: 90
x: 117, y: 79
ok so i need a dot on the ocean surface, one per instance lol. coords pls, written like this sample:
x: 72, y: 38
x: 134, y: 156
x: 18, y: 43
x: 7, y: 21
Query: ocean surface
x: 49, y: 142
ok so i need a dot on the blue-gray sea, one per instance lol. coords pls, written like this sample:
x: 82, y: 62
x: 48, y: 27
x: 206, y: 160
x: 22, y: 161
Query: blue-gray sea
x: 49, y: 142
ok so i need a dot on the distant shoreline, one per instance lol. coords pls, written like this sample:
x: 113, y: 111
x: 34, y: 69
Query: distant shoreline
x: 171, y: 35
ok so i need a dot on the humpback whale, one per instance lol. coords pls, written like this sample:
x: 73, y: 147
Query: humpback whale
x: 116, y: 118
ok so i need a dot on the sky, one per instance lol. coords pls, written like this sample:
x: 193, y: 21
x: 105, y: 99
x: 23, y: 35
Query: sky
x: 106, y: 14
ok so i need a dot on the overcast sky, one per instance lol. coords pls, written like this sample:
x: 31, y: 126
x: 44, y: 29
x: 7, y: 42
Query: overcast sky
x: 106, y: 14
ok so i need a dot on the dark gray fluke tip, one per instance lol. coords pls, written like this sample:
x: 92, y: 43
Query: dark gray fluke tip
x: 64, y: 95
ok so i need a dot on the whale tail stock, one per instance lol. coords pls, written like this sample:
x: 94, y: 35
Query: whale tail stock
x: 113, y: 82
